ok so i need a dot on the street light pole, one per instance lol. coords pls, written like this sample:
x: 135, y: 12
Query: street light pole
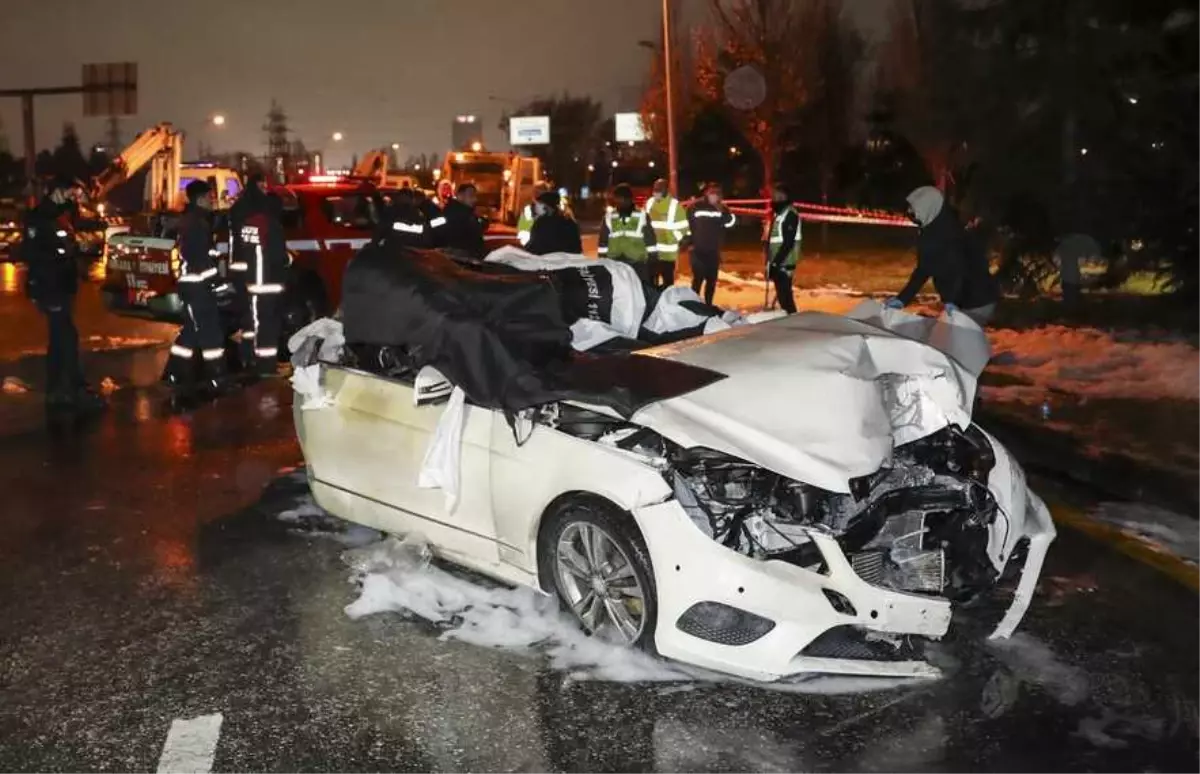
x: 672, y: 164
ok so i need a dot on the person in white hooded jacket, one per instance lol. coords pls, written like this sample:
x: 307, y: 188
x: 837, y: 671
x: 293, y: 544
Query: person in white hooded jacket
x: 959, y: 268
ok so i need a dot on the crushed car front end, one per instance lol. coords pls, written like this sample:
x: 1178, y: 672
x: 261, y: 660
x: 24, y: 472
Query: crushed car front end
x: 768, y: 578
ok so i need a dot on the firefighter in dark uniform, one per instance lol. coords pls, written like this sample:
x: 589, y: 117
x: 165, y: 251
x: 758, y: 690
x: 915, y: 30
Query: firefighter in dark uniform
x: 463, y: 230
x: 197, y: 359
x: 402, y: 223
x: 434, y: 220
x: 50, y: 253
x: 263, y: 249
x: 253, y: 199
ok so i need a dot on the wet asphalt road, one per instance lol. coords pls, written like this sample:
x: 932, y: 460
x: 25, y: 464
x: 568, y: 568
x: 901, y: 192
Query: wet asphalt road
x: 144, y: 578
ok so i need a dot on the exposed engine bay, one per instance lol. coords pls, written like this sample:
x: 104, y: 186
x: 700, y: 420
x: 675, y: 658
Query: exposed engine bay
x: 920, y: 524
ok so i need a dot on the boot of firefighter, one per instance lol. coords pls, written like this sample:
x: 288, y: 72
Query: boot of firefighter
x: 215, y: 377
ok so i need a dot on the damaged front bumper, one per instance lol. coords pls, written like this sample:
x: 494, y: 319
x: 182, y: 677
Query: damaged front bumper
x: 768, y: 620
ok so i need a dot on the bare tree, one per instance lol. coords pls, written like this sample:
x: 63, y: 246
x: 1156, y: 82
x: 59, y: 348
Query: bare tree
x: 759, y: 42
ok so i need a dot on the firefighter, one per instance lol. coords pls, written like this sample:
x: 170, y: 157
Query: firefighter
x: 783, y: 246
x: 402, y: 222
x: 433, y: 217
x: 528, y: 216
x: 553, y: 231
x: 50, y: 253
x: 252, y: 200
x: 264, y: 251
x: 708, y: 220
x: 199, y: 350
x: 626, y: 234
x: 463, y: 230
x: 669, y: 220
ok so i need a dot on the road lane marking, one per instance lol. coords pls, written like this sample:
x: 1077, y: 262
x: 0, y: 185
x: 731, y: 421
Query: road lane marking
x: 191, y: 745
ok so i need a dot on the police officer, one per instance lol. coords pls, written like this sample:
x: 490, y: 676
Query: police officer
x: 264, y: 250
x: 708, y: 220
x: 669, y: 220
x: 402, y: 222
x: 783, y: 246
x: 463, y: 231
x: 553, y: 231
x: 50, y: 253
x: 528, y: 216
x: 197, y: 359
x: 625, y: 233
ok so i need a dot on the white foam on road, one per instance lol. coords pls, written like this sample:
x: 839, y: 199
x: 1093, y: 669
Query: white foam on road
x: 396, y: 577
x: 191, y: 745
x: 1031, y: 660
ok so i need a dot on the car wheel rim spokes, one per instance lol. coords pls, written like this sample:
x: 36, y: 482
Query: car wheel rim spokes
x: 599, y: 584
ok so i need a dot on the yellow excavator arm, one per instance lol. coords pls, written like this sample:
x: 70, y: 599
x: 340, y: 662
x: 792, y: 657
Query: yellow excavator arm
x: 160, y: 145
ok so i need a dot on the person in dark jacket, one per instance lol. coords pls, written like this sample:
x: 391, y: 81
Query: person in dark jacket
x: 463, y: 229
x: 197, y: 359
x: 50, y: 253
x: 958, y: 266
x: 552, y: 231
x: 708, y: 220
x: 402, y: 223
x: 264, y: 249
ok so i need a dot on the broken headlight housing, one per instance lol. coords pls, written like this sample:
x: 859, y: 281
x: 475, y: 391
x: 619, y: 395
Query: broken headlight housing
x: 919, y: 525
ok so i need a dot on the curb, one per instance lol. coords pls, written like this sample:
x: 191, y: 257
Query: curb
x: 1177, y: 568
x: 1040, y: 449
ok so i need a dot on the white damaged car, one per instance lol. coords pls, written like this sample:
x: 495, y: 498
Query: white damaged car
x: 802, y: 495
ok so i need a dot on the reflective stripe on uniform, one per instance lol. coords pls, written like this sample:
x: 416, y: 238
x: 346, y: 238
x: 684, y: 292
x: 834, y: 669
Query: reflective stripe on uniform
x: 523, y: 237
x: 239, y: 266
x: 602, y: 251
x: 213, y: 354
x: 181, y: 351
x: 408, y: 228
x: 664, y: 248
x: 200, y: 277
x: 439, y: 221
x: 214, y: 252
x: 266, y: 351
x: 265, y: 287
x: 60, y: 233
x: 708, y: 213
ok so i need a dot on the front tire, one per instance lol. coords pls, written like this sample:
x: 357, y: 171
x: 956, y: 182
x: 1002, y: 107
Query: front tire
x: 591, y: 556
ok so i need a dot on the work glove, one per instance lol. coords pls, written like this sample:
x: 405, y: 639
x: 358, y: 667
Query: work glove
x: 894, y: 303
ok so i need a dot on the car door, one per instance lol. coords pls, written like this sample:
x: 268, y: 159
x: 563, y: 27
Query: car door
x: 371, y: 445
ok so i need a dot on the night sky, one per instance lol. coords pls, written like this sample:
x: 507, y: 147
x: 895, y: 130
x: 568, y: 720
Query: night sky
x: 380, y: 71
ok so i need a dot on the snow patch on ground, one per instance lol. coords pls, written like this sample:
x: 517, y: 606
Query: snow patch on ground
x: 1163, y: 531
x: 13, y: 386
x: 1092, y: 363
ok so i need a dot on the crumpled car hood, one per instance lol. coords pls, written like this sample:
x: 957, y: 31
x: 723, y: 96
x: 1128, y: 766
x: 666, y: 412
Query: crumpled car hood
x: 822, y: 398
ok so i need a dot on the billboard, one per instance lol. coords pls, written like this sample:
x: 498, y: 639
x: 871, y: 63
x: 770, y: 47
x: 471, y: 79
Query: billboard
x: 629, y: 127
x: 529, y: 130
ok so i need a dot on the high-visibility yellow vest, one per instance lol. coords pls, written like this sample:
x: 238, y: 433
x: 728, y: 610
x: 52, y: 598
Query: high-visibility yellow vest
x: 525, y: 224
x: 668, y: 218
x: 776, y: 237
x: 626, y: 236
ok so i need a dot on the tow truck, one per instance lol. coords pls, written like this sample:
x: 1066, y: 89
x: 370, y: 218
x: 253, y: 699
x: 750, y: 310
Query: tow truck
x: 504, y: 181
x: 374, y: 167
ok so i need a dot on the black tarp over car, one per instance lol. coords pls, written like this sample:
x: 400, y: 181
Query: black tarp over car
x: 498, y: 334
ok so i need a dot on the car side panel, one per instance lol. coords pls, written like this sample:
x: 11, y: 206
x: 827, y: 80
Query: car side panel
x: 527, y: 478
x: 370, y: 446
